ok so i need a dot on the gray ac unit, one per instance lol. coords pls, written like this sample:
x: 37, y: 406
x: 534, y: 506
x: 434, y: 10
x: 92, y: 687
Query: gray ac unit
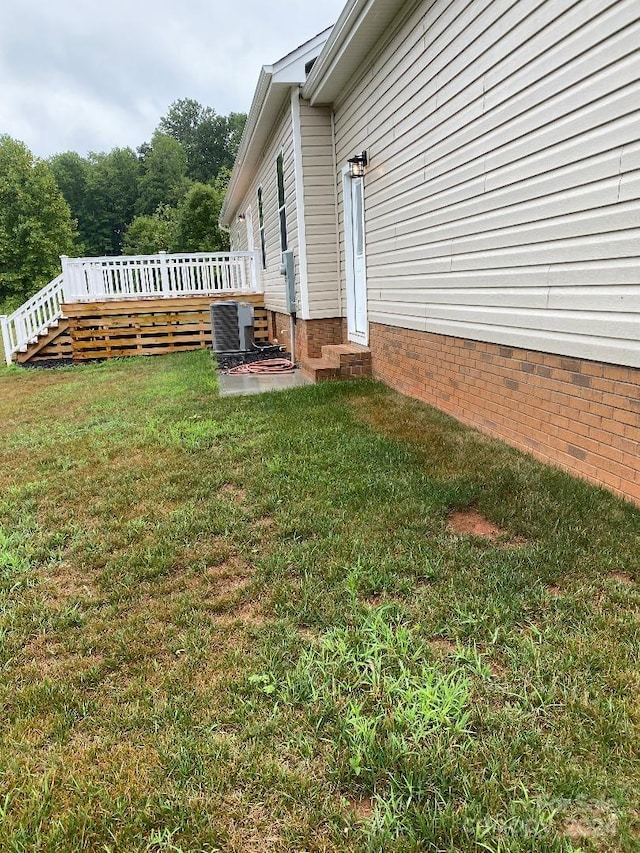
x: 232, y: 326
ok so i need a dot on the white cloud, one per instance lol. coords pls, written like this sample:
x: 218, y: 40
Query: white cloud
x: 94, y: 75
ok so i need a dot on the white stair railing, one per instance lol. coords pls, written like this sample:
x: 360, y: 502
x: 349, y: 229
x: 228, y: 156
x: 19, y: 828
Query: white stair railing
x: 32, y: 319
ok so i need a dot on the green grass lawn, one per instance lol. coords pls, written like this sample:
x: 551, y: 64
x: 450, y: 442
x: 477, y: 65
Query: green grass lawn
x: 246, y: 624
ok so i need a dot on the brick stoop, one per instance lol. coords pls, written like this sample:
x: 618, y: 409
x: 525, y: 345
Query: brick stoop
x: 338, y: 361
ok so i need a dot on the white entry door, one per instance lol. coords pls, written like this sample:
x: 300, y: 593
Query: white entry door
x: 356, y: 268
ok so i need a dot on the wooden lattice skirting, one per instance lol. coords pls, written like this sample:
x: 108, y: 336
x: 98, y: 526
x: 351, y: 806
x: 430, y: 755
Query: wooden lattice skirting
x: 149, y: 326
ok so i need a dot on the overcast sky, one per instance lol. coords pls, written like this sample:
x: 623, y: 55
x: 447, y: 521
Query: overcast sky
x: 90, y: 75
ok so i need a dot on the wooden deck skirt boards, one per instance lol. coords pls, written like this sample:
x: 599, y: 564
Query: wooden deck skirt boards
x: 129, y: 327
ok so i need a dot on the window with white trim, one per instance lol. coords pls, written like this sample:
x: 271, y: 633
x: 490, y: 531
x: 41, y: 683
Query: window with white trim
x: 263, y: 245
x: 282, y: 213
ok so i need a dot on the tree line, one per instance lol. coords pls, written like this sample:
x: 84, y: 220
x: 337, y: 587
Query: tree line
x: 166, y: 195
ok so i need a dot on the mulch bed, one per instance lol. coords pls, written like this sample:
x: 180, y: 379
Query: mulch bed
x: 225, y: 360
x: 49, y: 363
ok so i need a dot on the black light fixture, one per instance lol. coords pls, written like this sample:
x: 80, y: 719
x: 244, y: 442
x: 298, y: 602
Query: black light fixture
x: 357, y: 165
x: 242, y: 217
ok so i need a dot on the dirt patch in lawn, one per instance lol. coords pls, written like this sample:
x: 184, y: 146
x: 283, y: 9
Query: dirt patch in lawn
x: 442, y: 646
x: 234, y: 568
x: 309, y: 634
x: 266, y: 522
x: 594, y: 823
x: 236, y: 494
x: 66, y: 583
x: 362, y: 807
x: 247, y: 613
x: 622, y: 577
x: 46, y: 658
x: 470, y: 522
x: 576, y: 830
x: 554, y: 590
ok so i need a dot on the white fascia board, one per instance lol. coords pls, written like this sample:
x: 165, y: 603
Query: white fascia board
x: 360, y: 25
x: 269, y: 98
x: 264, y: 82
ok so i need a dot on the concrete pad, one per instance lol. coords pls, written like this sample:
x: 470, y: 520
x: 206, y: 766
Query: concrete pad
x: 256, y: 383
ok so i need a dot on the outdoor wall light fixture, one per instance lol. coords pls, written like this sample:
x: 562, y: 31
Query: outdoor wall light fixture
x: 242, y: 217
x: 357, y: 165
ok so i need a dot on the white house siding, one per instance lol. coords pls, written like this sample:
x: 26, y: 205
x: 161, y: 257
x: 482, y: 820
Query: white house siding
x: 318, y: 169
x: 265, y: 176
x: 502, y: 201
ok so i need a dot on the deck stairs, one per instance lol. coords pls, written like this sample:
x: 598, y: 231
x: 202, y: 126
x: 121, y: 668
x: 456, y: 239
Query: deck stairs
x: 34, y: 325
x: 338, y: 361
x: 52, y: 342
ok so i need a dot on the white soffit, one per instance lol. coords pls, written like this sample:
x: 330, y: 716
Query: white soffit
x: 356, y: 31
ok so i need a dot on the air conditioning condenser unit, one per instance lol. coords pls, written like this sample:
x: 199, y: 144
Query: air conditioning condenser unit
x: 232, y: 326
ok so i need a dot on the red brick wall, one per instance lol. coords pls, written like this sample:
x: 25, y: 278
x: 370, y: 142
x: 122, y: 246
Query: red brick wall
x: 581, y: 415
x: 312, y: 335
x: 280, y: 326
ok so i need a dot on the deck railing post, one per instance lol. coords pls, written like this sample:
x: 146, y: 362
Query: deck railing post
x: 164, y: 274
x: 254, y: 272
x: 6, y: 342
x: 67, y: 287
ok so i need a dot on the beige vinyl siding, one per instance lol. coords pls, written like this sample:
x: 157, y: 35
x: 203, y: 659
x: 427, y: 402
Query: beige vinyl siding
x: 319, y: 211
x: 502, y: 200
x: 265, y: 176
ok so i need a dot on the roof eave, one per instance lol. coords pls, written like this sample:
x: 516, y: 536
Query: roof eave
x: 259, y: 97
x: 274, y: 83
x: 360, y: 25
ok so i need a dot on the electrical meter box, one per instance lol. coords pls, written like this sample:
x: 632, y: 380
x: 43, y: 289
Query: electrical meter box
x: 287, y: 269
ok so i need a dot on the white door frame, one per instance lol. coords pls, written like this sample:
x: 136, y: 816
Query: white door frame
x: 248, y: 217
x: 357, y: 320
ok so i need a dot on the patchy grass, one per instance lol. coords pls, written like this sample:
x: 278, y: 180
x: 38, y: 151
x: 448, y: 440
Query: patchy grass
x: 247, y: 624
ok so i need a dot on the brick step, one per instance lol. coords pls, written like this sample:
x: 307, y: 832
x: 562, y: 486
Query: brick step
x: 319, y: 369
x: 351, y: 359
x: 342, y: 351
x: 338, y: 361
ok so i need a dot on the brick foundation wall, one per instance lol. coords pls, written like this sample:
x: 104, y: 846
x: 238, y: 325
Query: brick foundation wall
x: 280, y: 326
x: 311, y: 335
x: 580, y: 415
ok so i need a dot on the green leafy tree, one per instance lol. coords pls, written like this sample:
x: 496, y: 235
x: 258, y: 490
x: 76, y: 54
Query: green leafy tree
x: 182, y: 120
x: 35, y: 222
x: 164, y: 170
x: 112, y: 193
x: 148, y: 235
x: 197, y: 228
x: 235, y: 129
x: 209, y: 140
x: 71, y: 172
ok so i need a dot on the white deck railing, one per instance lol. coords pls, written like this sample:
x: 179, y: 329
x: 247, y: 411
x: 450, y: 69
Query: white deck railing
x: 137, y: 276
x: 38, y: 314
x: 158, y: 276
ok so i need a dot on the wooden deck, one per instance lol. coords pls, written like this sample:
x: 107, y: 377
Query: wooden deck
x: 112, y: 307
x: 132, y: 327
